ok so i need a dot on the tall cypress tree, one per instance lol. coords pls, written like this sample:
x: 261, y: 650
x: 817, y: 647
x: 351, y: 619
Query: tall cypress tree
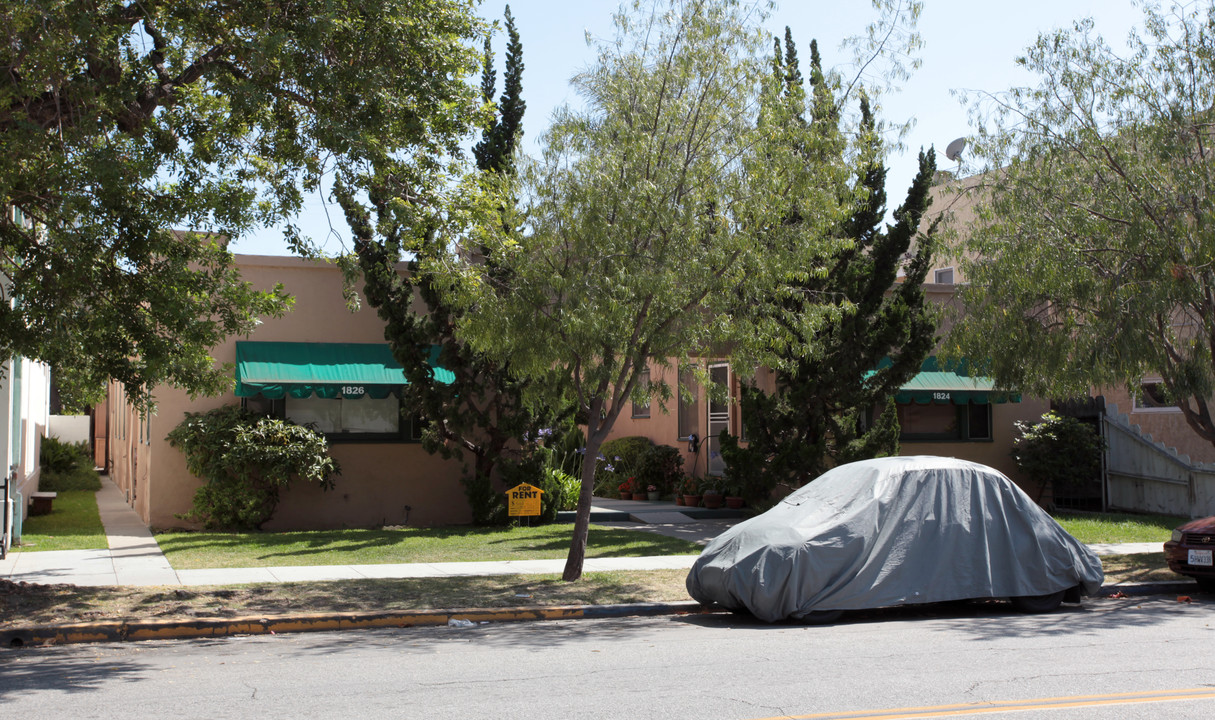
x: 496, y: 151
x: 833, y: 378
x: 480, y: 416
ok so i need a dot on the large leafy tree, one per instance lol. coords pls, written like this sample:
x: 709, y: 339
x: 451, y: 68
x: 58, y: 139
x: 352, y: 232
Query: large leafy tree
x: 654, y: 216
x: 1093, y: 246
x: 480, y: 416
x: 829, y: 379
x: 122, y: 121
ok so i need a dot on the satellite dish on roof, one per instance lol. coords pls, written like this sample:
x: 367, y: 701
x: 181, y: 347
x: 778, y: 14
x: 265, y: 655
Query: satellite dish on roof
x: 954, y: 150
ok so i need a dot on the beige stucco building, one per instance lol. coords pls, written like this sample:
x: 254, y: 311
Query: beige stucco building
x: 387, y: 478
x: 972, y: 424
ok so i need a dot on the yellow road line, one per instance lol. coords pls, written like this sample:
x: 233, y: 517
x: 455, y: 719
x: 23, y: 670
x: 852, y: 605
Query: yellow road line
x: 982, y: 708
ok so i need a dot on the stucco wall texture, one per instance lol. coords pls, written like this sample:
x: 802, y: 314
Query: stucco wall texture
x: 393, y: 483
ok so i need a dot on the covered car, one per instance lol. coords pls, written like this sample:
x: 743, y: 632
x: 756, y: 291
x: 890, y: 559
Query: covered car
x: 895, y: 531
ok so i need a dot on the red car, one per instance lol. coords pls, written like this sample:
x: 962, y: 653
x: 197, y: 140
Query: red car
x: 1190, y: 552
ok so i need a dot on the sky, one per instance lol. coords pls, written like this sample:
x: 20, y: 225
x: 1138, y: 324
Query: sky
x: 967, y: 46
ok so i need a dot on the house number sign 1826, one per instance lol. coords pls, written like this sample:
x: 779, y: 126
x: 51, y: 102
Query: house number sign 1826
x: 353, y: 390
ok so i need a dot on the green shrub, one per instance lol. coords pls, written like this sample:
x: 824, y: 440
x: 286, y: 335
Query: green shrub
x: 746, y: 475
x: 661, y: 466
x: 621, y: 458
x: 246, y: 460
x: 529, y: 469
x: 1058, y: 452
x: 66, y: 466
x: 564, y: 446
x: 546, y: 461
x: 560, y: 490
x: 487, y: 504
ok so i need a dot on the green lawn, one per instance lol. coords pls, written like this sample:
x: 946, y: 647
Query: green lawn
x: 73, y: 524
x: 1119, y: 527
x: 191, y: 550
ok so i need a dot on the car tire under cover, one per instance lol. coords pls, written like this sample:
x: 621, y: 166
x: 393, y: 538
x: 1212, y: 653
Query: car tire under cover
x: 821, y: 617
x: 1039, y: 603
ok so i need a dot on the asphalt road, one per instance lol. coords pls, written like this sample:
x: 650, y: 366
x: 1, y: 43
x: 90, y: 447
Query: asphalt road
x: 1115, y: 658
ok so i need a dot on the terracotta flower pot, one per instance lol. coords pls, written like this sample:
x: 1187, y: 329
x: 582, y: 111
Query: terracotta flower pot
x: 679, y: 499
x: 691, y: 500
x: 712, y: 500
x: 733, y: 502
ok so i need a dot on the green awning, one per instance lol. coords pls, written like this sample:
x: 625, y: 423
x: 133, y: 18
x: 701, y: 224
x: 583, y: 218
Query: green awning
x: 328, y: 370
x: 936, y: 383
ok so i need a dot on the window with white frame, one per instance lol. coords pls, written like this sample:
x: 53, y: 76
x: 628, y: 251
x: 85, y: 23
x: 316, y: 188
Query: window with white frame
x: 944, y: 276
x: 1153, y: 397
x: 361, y: 419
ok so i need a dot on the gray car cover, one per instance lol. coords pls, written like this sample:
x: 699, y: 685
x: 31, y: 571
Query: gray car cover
x: 892, y: 531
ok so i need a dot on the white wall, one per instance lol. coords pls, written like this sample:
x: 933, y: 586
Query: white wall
x: 70, y: 428
x: 25, y: 400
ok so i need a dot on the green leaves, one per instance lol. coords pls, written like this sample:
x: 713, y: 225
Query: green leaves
x: 246, y: 460
x: 1093, y: 242
x: 1058, y: 452
x: 829, y: 330
x: 122, y: 123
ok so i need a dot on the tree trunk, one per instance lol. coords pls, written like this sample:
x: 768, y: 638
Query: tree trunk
x: 595, y: 433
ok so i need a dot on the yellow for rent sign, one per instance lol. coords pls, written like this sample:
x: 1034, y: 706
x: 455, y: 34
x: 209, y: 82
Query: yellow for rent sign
x: 523, y: 499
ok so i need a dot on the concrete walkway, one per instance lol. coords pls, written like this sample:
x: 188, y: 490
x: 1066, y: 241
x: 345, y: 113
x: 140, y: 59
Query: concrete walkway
x: 134, y: 558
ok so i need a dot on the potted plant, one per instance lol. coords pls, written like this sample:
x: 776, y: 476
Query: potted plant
x: 691, y: 492
x: 734, y: 496
x: 652, y: 492
x: 712, y: 497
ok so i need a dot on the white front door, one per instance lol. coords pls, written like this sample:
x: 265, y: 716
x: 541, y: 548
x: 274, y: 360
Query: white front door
x: 719, y: 415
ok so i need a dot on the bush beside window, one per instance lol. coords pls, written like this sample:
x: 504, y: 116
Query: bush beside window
x: 1059, y: 452
x: 246, y: 460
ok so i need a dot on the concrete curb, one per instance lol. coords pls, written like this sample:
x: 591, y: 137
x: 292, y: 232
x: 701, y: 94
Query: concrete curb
x: 1179, y: 587
x: 121, y: 631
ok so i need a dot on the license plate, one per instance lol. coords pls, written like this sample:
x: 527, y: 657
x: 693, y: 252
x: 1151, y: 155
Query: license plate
x: 1200, y: 557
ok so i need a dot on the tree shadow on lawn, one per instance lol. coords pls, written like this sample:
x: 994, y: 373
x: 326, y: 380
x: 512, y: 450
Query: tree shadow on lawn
x: 282, y: 544
x: 614, y: 542
x: 602, y: 542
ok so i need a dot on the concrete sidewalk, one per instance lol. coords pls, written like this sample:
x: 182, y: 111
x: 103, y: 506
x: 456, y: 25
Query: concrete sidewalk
x: 134, y: 558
